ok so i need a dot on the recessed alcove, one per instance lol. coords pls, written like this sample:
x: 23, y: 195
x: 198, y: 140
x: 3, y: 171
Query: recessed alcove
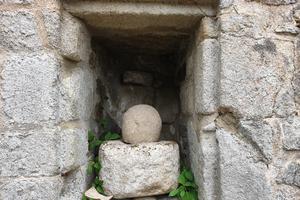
x: 142, y: 53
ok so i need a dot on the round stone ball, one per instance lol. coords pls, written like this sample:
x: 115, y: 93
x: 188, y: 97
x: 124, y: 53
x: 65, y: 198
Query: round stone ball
x: 141, y: 123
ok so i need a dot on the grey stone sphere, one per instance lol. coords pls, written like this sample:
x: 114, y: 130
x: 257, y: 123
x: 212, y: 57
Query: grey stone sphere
x: 141, y: 123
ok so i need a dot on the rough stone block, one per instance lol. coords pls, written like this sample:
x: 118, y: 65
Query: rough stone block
x: 167, y: 104
x: 18, y: 31
x: 208, y: 28
x: 75, y: 184
x: 52, y: 21
x: 16, y: 2
x: 137, y: 77
x: 206, y: 76
x: 278, y: 2
x: 75, y: 39
x: 29, y: 87
x: 291, y: 175
x: 31, y: 188
x: 73, y: 150
x: 139, y: 170
x: 77, y: 89
x: 29, y: 153
x: 250, y: 81
x: 260, y: 134
x: 291, y: 133
x: 241, y: 175
x: 187, y: 97
x: 285, y: 101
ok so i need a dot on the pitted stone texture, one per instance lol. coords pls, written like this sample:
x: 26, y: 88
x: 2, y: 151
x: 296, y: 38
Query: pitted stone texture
x: 208, y: 28
x: 296, y: 86
x: 278, y: 2
x: 75, y: 39
x: 291, y: 175
x: 77, y: 89
x: 206, y: 72
x: 186, y: 97
x: 251, y: 81
x: 31, y: 188
x: 52, y: 23
x: 18, y: 31
x: 139, y: 170
x: 291, y: 133
x: 260, y: 134
x: 29, y: 87
x: 16, y: 1
x: 241, y: 175
x: 75, y: 184
x: 73, y: 149
x: 286, y: 192
x: 29, y: 153
x: 285, y: 102
x: 141, y: 123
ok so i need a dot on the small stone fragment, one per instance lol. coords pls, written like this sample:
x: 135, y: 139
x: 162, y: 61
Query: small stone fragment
x: 139, y: 170
x: 139, y: 78
x: 94, y: 194
x: 141, y: 123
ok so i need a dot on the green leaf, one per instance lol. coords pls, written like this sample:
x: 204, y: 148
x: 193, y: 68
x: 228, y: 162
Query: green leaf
x: 190, y: 184
x: 194, y: 194
x: 94, y: 144
x: 188, y: 174
x: 173, y: 193
x: 90, y: 168
x: 182, y: 193
x: 100, y: 189
x: 104, y: 123
x: 112, y: 136
x: 84, y: 197
x: 91, y: 136
x: 182, y: 179
x: 97, y: 167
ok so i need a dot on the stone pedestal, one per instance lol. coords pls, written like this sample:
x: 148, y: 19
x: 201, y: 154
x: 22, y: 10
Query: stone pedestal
x: 139, y: 170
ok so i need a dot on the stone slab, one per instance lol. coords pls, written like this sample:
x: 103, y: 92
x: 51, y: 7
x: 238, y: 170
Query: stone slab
x: 140, y: 170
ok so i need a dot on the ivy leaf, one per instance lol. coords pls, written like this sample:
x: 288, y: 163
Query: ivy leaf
x: 188, y: 174
x: 84, y: 197
x: 90, y: 168
x: 173, y: 193
x: 112, y: 136
x: 97, y: 167
x: 94, y: 144
x: 194, y: 195
x: 182, y: 193
x: 100, y: 189
x: 190, y: 184
x: 91, y: 136
x: 182, y: 179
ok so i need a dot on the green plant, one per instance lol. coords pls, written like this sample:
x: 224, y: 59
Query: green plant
x: 94, y: 166
x: 187, y: 188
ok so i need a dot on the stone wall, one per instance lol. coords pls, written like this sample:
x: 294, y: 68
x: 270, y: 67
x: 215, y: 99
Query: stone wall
x: 240, y: 102
x: 47, y: 101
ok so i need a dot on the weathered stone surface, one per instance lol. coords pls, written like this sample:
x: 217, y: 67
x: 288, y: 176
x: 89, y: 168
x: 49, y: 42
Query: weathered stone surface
x: 75, y: 184
x: 18, y: 31
x: 167, y: 104
x: 139, y: 170
x: 145, y: 198
x: 141, y: 123
x: 137, y: 77
x: 278, y: 2
x: 241, y: 176
x: 73, y: 150
x: 250, y: 81
x: 291, y: 175
x: 77, y: 88
x: 52, y: 21
x: 29, y: 87
x: 260, y: 135
x: 284, y: 103
x: 16, y: 1
x: 186, y: 94
x: 291, y: 133
x: 31, y: 188
x: 296, y: 86
x: 286, y: 192
x: 29, y: 153
x: 206, y: 78
x: 225, y: 3
x: 75, y: 39
x: 208, y: 28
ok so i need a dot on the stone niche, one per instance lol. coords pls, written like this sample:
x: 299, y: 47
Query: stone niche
x: 143, y: 52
